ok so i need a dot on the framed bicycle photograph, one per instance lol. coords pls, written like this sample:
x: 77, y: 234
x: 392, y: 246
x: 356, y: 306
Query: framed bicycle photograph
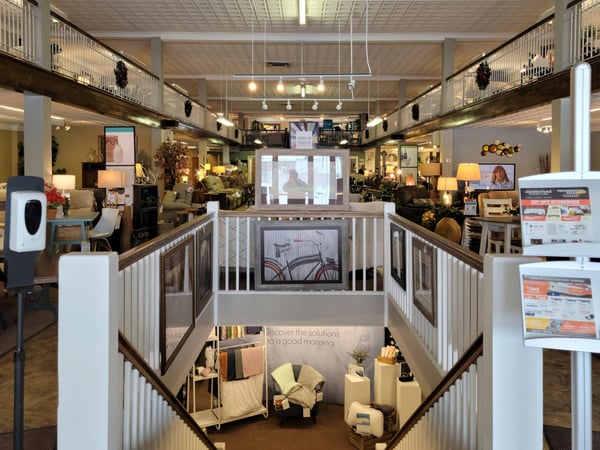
x: 424, y: 276
x: 176, y: 299
x: 398, y: 254
x: 304, y: 255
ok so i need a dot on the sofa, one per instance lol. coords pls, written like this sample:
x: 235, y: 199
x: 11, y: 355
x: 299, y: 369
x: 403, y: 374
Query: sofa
x: 412, y: 201
x: 177, y: 199
x: 81, y: 201
x: 222, y: 190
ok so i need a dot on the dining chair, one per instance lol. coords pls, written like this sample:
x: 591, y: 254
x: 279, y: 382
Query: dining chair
x: 496, y: 207
x: 104, y: 229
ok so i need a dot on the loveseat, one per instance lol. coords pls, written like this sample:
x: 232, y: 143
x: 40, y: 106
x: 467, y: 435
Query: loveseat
x: 177, y: 199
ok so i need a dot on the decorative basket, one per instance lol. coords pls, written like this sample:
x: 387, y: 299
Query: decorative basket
x: 68, y: 233
x: 383, y: 360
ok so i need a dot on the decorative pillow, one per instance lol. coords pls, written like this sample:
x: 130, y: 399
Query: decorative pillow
x: 169, y: 197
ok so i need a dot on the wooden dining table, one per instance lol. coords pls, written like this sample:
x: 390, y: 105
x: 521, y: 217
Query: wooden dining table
x: 505, y: 224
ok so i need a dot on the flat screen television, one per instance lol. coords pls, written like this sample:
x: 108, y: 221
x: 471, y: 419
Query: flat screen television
x: 495, y: 177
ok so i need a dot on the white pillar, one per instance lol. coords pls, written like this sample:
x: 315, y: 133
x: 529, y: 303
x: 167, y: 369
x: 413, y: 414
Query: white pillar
x: 90, y: 374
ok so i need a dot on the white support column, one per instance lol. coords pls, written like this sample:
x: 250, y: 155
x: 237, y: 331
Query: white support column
x: 447, y: 70
x: 38, y: 136
x: 90, y: 374
x: 510, y: 375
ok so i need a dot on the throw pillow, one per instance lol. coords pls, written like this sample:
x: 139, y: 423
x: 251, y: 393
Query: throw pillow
x: 169, y: 197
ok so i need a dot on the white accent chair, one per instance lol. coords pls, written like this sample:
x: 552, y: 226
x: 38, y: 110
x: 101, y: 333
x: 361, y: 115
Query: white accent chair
x: 104, y: 229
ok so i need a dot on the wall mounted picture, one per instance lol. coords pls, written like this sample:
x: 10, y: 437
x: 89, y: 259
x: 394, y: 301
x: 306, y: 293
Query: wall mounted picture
x: 408, y: 156
x: 424, y: 276
x: 176, y: 299
x: 204, y: 267
x: 398, y: 254
x: 287, y: 179
x: 119, y: 146
x: 304, y: 255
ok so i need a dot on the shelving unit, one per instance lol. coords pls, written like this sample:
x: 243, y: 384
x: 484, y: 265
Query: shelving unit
x: 213, y: 415
x: 145, y: 213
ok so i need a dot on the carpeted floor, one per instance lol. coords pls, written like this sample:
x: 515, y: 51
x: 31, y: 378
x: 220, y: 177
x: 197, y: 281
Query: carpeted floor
x: 38, y: 439
x: 559, y: 438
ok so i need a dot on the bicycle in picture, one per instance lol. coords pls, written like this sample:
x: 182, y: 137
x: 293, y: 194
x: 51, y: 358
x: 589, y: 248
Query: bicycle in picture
x: 301, y: 259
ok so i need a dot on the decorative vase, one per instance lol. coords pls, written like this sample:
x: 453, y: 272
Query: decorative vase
x: 51, y: 213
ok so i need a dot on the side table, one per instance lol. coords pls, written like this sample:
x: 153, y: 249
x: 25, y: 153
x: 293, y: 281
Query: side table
x: 356, y: 389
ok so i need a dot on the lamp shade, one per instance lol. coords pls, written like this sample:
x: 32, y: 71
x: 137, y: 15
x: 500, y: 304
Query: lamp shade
x: 219, y: 170
x: 430, y: 169
x: 468, y: 172
x: 447, y: 184
x: 63, y: 181
x: 111, y: 178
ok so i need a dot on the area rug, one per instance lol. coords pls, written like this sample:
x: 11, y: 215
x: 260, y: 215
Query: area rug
x: 38, y: 439
x: 559, y: 438
x: 33, y: 322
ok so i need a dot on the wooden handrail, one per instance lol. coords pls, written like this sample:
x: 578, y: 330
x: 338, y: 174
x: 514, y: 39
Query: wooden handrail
x: 462, y: 365
x: 133, y: 356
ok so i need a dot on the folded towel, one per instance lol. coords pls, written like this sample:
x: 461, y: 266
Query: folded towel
x: 252, y: 361
x: 239, y: 373
x: 223, y: 365
x: 231, y: 365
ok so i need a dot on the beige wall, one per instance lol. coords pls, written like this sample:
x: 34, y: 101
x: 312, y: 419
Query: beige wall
x: 9, y: 153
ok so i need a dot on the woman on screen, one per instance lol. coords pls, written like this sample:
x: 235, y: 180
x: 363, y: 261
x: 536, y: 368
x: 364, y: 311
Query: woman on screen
x: 500, y: 179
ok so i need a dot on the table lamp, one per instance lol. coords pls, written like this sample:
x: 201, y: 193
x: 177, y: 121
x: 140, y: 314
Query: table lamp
x: 447, y: 184
x: 111, y: 180
x: 468, y: 172
x: 219, y: 170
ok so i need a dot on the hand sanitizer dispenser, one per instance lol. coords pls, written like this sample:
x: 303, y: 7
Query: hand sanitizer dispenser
x: 27, y: 221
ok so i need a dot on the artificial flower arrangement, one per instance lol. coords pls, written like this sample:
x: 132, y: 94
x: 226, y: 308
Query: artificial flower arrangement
x: 53, y: 197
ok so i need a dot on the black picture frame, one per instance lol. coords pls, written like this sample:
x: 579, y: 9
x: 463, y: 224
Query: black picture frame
x: 177, y: 299
x: 398, y: 254
x: 204, y: 267
x: 424, y: 279
x: 303, y: 255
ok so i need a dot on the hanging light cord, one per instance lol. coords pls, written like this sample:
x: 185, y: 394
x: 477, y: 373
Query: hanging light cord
x: 367, y: 39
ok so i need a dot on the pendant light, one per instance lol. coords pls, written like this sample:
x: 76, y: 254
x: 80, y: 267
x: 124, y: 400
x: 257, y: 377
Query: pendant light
x: 252, y: 84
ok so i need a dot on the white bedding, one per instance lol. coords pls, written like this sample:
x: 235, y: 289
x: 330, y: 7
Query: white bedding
x: 241, y: 397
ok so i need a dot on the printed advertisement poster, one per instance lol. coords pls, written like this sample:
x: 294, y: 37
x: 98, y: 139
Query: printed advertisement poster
x: 556, y: 215
x: 558, y: 306
x: 304, y: 135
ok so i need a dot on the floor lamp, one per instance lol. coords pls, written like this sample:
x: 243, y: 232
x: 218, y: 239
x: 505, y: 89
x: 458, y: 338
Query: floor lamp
x: 428, y: 170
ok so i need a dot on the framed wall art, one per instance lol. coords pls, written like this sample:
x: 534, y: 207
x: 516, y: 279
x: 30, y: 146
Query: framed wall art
x: 306, y: 180
x: 176, y: 299
x: 204, y: 267
x: 398, y: 254
x: 424, y: 276
x: 304, y: 255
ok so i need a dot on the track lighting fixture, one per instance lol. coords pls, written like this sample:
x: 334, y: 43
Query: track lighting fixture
x: 339, y: 106
x: 321, y: 86
x: 264, y: 105
x: 288, y: 106
x: 315, y: 105
x: 351, y: 84
x: 280, y: 86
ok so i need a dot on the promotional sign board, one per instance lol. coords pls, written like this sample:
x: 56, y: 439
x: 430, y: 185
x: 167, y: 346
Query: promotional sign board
x: 557, y: 214
x: 558, y: 305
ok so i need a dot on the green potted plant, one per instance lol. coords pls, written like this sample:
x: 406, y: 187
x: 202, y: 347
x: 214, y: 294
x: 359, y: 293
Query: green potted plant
x: 360, y: 353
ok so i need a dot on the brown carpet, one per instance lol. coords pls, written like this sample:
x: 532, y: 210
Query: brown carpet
x: 257, y: 433
x: 39, y: 439
x: 559, y: 438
